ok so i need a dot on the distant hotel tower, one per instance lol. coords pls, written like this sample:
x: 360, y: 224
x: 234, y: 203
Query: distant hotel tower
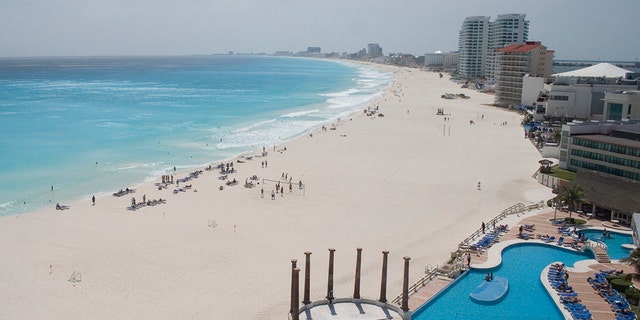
x: 437, y: 61
x: 479, y: 38
x: 374, y: 50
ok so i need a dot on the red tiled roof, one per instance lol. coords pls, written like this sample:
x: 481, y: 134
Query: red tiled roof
x: 526, y: 47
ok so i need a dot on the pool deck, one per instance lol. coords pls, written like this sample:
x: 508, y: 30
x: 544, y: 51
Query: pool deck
x: 578, y: 274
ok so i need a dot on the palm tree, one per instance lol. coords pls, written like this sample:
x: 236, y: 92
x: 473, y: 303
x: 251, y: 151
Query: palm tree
x: 633, y: 260
x: 557, y: 201
x: 572, y: 197
x: 556, y: 135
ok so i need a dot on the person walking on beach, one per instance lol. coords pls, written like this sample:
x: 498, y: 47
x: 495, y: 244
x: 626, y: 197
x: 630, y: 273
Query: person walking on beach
x: 483, y: 226
x: 93, y: 200
x: 468, y: 259
x: 273, y: 195
x: 262, y: 193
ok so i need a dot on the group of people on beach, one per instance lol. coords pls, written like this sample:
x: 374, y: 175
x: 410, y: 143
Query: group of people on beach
x: 225, y: 169
x: 167, y: 178
x: 126, y: 191
x: 137, y: 205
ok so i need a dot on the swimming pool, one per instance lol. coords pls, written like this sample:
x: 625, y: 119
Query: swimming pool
x: 526, y: 299
x: 614, y: 242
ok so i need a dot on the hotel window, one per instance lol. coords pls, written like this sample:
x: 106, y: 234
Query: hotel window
x: 560, y: 98
x: 615, y: 111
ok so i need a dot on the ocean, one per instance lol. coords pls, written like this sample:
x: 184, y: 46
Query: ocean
x: 74, y: 127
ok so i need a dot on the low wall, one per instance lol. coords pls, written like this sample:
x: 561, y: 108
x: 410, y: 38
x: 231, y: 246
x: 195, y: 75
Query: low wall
x: 550, y: 181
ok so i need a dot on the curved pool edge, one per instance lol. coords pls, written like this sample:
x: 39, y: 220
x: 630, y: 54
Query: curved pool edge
x: 580, y: 265
x: 551, y: 291
x: 494, y: 254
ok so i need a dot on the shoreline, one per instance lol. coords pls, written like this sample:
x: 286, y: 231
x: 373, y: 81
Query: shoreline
x: 109, y: 176
x: 405, y: 182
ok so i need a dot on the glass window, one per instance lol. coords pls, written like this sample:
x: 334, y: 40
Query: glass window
x: 615, y: 111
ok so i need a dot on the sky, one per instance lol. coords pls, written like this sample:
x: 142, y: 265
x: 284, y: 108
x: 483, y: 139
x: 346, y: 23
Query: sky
x: 600, y: 30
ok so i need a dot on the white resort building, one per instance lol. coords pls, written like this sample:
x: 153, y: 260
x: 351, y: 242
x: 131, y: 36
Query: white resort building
x: 606, y: 158
x: 580, y: 94
x: 513, y: 63
x: 480, y: 37
x: 445, y: 61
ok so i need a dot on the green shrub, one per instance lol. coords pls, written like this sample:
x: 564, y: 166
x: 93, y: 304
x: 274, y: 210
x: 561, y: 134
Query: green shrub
x: 620, y: 284
x: 632, y: 295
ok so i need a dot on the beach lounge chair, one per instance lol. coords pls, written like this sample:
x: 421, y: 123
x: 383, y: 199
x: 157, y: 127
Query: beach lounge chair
x: 560, y: 241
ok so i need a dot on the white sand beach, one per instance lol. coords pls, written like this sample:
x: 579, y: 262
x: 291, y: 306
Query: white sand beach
x: 405, y: 182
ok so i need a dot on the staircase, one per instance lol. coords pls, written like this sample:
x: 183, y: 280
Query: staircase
x: 601, y: 255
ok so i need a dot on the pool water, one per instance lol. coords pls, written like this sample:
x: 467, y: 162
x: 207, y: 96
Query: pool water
x: 526, y: 299
x: 614, y: 242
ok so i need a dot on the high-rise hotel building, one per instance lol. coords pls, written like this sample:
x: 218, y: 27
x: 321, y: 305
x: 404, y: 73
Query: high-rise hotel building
x: 480, y: 37
x: 507, y: 29
x: 374, y: 50
x: 515, y: 61
x: 472, y: 44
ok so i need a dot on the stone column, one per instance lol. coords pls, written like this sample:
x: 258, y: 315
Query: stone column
x: 307, y: 277
x: 330, y: 278
x: 405, y: 286
x: 356, y: 286
x: 293, y: 266
x: 383, y: 282
x: 295, y: 312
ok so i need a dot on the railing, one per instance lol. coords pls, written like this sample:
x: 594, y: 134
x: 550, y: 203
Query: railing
x: 517, y: 208
x: 597, y: 244
x: 421, y: 283
x: 459, y: 265
x: 432, y: 273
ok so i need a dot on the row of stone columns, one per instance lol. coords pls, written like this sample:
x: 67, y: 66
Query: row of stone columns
x: 295, y: 286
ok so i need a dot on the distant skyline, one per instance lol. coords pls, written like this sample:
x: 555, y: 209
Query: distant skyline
x: 575, y: 29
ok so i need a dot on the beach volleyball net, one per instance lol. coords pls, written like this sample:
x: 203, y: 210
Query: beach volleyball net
x: 293, y: 188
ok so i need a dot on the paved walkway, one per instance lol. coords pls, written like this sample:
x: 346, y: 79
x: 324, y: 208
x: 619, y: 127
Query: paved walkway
x: 350, y: 310
x: 577, y: 275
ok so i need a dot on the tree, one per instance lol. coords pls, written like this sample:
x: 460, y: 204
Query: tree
x: 572, y: 197
x: 526, y: 118
x: 556, y: 135
x: 556, y: 201
x: 633, y: 260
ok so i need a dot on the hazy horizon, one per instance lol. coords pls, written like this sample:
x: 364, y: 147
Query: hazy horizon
x: 576, y: 30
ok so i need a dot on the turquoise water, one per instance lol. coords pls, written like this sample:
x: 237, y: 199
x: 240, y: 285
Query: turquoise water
x: 98, y: 124
x: 614, y: 242
x: 526, y: 298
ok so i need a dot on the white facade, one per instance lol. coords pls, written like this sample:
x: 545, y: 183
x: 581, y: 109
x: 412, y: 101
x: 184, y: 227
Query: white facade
x: 447, y: 60
x: 513, y: 63
x: 473, y: 43
x: 622, y: 105
x: 579, y: 101
x: 602, y: 131
x: 507, y: 29
x: 531, y: 88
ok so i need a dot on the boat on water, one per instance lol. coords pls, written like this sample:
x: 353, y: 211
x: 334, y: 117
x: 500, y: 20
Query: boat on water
x: 490, y: 290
